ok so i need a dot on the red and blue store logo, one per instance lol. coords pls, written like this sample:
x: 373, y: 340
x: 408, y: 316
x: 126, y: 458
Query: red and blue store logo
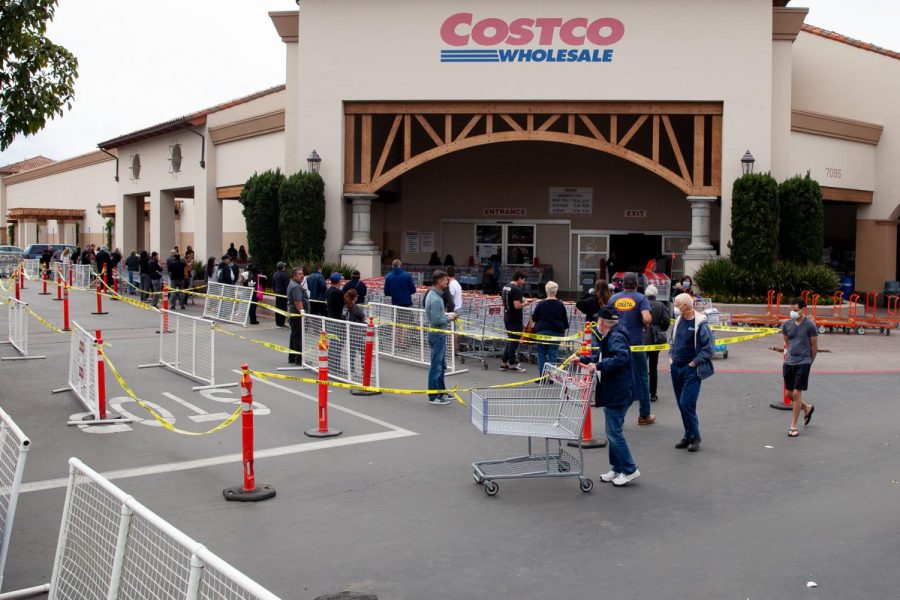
x: 462, y: 31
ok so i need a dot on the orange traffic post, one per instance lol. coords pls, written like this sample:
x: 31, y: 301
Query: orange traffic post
x: 66, y: 306
x: 99, y: 291
x: 248, y: 491
x: 59, y: 284
x: 787, y: 402
x: 44, y: 280
x: 368, y: 361
x: 322, y: 431
x: 587, y: 434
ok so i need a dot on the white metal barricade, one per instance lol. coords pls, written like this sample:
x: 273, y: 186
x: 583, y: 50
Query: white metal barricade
x: 403, y: 336
x: 59, y: 268
x: 187, y: 346
x: 235, y: 309
x: 32, y: 268
x: 13, y: 452
x: 110, y: 545
x: 82, y: 276
x: 346, y: 349
x: 83, y: 379
x: 18, y: 329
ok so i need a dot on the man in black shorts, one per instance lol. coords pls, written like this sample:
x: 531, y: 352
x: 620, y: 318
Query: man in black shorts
x: 802, y: 342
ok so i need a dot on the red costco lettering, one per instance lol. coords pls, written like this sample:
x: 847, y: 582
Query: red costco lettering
x: 462, y: 29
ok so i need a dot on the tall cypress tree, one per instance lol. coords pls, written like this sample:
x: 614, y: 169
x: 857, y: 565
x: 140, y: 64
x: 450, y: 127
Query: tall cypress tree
x: 260, y: 207
x: 302, y: 217
x: 754, y: 222
x: 801, y: 235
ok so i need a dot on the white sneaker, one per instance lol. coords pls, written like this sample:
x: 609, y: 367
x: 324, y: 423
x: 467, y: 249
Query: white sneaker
x: 623, y: 479
x: 607, y: 477
x: 439, y: 401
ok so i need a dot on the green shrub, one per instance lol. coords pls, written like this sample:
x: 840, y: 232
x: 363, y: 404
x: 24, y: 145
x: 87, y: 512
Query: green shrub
x: 802, y: 220
x: 327, y: 267
x: 259, y: 199
x: 301, y: 220
x: 754, y: 222
x: 724, y: 281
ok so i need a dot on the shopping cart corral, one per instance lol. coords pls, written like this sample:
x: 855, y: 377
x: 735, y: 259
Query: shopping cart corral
x: 547, y: 414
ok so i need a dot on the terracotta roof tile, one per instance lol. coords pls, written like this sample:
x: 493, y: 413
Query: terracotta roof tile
x: 831, y: 35
x: 26, y: 165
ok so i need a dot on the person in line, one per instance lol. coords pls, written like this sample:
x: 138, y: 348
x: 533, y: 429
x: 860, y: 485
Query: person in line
x: 232, y: 251
x: 280, y: 283
x: 334, y: 305
x: 298, y: 303
x: 315, y: 283
x: 115, y: 257
x: 242, y: 254
x: 655, y: 334
x: 690, y: 356
x: 399, y: 285
x: 227, y: 272
x: 597, y: 297
x: 513, y: 303
x: 144, y: 270
x: 175, y: 267
x: 615, y: 393
x: 254, y: 277
x: 210, y: 270
x: 155, y: 271
x: 490, y: 281
x: 455, y: 290
x: 633, y: 310
x: 354, y: 313
x: 46, y: 257
x: 549, y: 318
x: 104, y: 265
x: 334, y: 297
x: 357, y: 284
x: 434, y: 260
x: 802, y: 341
x: 438, y: 319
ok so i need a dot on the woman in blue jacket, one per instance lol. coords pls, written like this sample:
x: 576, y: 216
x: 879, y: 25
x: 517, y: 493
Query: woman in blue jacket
x: 615, y: 393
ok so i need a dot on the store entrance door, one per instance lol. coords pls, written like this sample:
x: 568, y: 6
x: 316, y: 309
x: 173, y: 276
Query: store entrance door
x: 634, y: 250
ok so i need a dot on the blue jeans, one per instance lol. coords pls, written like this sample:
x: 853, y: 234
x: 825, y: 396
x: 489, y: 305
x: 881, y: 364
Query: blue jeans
x: 619, y: 455
x: 132, y: 276
x: 547, y: 353
x: 686, y: 384
x: 641, y: 375
x: 438, y: 344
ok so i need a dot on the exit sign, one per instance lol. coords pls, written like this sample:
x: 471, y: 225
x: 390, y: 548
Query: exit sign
x: 635, y: 214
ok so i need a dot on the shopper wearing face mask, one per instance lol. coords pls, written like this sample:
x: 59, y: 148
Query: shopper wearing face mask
x: 802, y: 342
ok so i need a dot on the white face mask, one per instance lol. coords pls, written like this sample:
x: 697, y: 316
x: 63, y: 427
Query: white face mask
x: 611, y: 287
x: 795, y: 314
x: 677, y: 312
x: 685, y: 284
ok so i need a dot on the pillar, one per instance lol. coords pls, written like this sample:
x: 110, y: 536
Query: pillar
x: 699, y: 251
x: 162, y: 222
x: 361, y: 251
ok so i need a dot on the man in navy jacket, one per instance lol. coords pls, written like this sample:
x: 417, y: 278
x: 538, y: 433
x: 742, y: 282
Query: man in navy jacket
x: 615, y: 393
x: 690, y: 355
x: 399, y: 285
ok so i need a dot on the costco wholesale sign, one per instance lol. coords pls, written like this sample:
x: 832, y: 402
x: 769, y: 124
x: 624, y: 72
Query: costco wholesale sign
x: 550, y: 39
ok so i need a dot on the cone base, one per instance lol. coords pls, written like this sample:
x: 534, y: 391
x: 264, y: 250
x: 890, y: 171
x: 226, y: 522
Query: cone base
x: 323, y: 434
x: 237, y: 493
x: 100, y: 313
x: 781, y: 406
x: 364, y: 393
x: 591, y: 443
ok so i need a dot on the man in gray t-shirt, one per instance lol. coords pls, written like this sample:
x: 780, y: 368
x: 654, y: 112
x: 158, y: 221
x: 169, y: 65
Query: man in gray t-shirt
x: 801, y: 340
x: 298, y: 302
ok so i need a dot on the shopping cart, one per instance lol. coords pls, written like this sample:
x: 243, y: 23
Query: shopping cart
x: 554, y: 410
x: 714, y: 317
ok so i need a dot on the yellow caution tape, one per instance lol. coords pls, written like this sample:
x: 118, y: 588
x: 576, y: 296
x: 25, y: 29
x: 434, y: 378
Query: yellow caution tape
x: 43, y: 321
x: 268, y: 345
x: 124, y: 385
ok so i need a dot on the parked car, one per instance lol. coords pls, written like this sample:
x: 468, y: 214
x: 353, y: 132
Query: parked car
x: 35, y: 250
x: 10, y: 250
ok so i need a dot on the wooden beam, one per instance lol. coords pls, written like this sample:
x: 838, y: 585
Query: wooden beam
x: 429, y: 130
x: 489, y: 127
x: 545, y: 108
x: 593, y: 128
x: 571, y: 126
x: 349, y: 148
x: 469, y: 127
x: 529, y: 122
x: 407, y: 137
x: 366, y: 152
x: 448, y: 128
x: 511, y: 122
x: 679, y: 156
x: 228, y: 192
x: 634, y: 129
x: 716, y: 152
x: 549, y: 122
x: 613, y: 129
x: 699, y: 149
x: 656, y: 138
x: 847, y: 195
x: 385, y: 152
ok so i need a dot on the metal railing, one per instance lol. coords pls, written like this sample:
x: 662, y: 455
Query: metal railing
x: 346, y: 348
x: 18, y: 329
x: 228, y: 303
x: 402, y: 336
x: 13, y: 452
x: 32, y: 268
x: 82, y: 379
x: 187, y: 346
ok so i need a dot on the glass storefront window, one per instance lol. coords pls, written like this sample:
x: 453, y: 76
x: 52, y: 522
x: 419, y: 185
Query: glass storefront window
x: 511, y: 244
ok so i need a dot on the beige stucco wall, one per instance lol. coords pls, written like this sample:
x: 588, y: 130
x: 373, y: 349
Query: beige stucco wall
x: 715, y: 50
x: 837, y: 79
x: 824, y: 156
x: 259, y: 106
x: 238, y: 160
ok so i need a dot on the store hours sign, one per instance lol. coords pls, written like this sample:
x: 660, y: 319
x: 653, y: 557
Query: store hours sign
x: 574, y: 201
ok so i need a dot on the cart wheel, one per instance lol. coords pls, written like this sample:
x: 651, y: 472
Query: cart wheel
x: 478, y: 478
x: 462, y: 360
x: 491, y: 488
x: 861, y: 330
x: 564, y: 466
x: 484, y: 366
x: 586, y: 485
x: 725, y: 354
x: 821, y: 329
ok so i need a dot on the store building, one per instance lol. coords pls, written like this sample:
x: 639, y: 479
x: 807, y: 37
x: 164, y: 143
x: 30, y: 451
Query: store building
x: 505, y: 128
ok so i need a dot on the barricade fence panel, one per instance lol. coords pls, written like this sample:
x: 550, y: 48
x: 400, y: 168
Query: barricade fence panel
x: 82, y: 276
x: 403, y: 336
x: 18, y: 325
x: 188, y: 346
x: 83, y: 368
x: 32, y: 268
x: 346, y: 348
x: 59, y: 268
x: 235, y: 310
x: 13, y: 452
x: 111, y: 545
x: 8, y: 264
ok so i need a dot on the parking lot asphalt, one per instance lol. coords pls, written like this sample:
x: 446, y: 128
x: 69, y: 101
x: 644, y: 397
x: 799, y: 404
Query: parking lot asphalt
x: 390, y: 506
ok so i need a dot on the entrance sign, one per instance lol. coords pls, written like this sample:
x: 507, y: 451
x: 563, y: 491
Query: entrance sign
x: 571, y: 201
x: 504, y: 212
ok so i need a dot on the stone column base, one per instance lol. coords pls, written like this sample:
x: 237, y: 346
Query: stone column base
x: 367, y: 260
x: 693, y: 260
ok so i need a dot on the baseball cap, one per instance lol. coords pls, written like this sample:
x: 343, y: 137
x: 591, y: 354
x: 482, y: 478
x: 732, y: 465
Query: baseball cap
x: 630, y: 280
x: 607, y: 314
x: 335, y: 277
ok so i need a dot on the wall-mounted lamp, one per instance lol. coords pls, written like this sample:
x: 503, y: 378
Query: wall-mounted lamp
x: 747, y: 163
x: 314, y: 161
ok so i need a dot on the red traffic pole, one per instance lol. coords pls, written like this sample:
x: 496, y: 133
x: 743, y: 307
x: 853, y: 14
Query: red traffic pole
x: 368, y: 361
x: 587, y: 434
x: 66, y: 307
x: 18, y: 296
x: 59, y: 283
x: 44, y: 279
x: 101, y: 377
x: 22, y: 275
x: 115, y: 283
x: 100, y: 280
x: 787, y: 402
x: 165, y: 305
x: 322, y: 431
x: 248, y: 491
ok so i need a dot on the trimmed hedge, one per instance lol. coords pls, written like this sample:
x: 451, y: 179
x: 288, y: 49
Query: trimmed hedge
x: 302, y: 217
x: 259, y: 199
x: 722, y: 278
x: 802, y: 222
x: 754, y: 221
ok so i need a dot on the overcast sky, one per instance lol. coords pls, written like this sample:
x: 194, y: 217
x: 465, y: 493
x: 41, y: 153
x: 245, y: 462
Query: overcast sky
x: 143, y: 62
